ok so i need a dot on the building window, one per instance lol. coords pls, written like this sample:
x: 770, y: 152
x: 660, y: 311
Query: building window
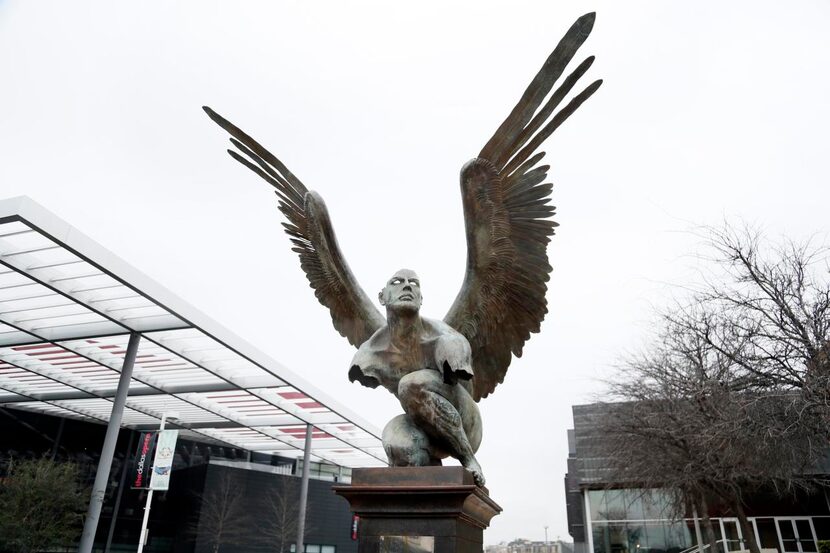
x: 630, y: 504
x: 641, y: 537
x: 315, y: 548
x: 643, y: 521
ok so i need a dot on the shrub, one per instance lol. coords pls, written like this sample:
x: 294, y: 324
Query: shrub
x: 41, y: 506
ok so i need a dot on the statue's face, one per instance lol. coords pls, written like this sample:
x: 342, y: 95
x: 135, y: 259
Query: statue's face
x: 402, y: 292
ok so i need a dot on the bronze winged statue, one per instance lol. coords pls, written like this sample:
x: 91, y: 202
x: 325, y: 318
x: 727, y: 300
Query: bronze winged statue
x: 440, y: 370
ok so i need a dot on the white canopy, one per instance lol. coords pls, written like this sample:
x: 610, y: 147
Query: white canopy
x: 67, y: 309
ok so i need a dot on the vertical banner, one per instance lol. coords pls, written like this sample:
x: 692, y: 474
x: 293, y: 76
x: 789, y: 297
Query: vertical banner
x: 143, y: 457
x: 163, y: 464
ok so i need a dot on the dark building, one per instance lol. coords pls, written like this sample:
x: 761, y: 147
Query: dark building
x: 211, y: 485
x: 608, y: 518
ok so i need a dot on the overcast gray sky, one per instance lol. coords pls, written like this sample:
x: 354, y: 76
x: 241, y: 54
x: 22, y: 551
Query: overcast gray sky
x: 709, y: 111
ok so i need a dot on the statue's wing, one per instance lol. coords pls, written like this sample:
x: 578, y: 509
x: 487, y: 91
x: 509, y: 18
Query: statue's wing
x: 508, y: 220
x: 309, y: 227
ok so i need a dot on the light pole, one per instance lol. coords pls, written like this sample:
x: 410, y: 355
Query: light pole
x: 142, y: 537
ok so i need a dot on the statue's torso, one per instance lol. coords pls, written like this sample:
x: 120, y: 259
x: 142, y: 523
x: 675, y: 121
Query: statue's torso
x: 380, y: 359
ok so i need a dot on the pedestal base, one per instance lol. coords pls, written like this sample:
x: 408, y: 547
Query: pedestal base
x: 419, y: 510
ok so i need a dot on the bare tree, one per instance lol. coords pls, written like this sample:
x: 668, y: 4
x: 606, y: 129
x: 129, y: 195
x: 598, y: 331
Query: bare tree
x: 733, y: 395
x: 769, y: 313
x: 224, y: 518
x: 279, y: 515
x: 653, y: 436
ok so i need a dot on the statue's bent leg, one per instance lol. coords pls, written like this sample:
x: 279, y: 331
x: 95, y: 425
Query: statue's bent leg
x: 470, y: 417
x: 406, y: 445
x: 434, y: 407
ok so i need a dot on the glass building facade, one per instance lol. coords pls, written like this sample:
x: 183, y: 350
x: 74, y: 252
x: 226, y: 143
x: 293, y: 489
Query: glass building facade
x: 606, y: 518
x: 634, y: 521
x: 642, y: 521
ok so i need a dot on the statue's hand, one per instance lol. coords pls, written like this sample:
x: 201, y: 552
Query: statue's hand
x: 453, y: 358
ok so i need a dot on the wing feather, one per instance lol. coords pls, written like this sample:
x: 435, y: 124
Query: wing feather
x: 541, y: 84
x: 312, y: 237
x: 508, y: 220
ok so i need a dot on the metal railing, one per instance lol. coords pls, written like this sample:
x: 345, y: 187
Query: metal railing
x: 701, y: 548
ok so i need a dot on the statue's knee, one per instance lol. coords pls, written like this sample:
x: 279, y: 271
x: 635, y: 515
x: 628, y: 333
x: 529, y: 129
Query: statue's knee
x: 423, y: 398
x: 471, y: 420
x: 405, y: 444
x: 411, y: 388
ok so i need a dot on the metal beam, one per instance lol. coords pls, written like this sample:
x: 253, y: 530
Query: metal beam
x: 99, y: 488
x: 48, y: 396
x: 76, y: 387
x: 279, y: 420
x: 304, y: 491
x: 167, y: 390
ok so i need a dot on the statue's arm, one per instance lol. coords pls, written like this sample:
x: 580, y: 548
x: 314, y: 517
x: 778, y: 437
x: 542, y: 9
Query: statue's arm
x: 453, y: 357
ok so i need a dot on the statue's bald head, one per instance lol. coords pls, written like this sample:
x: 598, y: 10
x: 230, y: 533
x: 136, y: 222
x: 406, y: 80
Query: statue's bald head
x: 402, y: 291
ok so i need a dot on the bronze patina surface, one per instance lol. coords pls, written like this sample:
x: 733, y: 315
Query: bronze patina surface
x: 440, y: 369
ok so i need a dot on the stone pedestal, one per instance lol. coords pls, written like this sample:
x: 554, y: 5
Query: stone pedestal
x: 419, y: 510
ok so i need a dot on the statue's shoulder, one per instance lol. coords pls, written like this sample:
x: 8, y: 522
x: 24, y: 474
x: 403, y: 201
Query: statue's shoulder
x: 368, y: 366
x: 437, y: 328
x: 367, y: 353
x: 378, y: 340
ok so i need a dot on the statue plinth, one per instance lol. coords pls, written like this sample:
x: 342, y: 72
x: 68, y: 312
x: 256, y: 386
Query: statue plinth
x: 419, y: 509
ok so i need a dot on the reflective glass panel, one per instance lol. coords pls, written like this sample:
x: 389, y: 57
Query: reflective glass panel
x: 805, y: 536
x: 596, y: 500
x: 616, y: 502
x: 767, y: 533
x: 678, y: 536
x: 654, y: 537
x: 634, y: 504
x: 613, y: 537
x: 732, y: 539
x: 657, y: 504
x: 822, y: 527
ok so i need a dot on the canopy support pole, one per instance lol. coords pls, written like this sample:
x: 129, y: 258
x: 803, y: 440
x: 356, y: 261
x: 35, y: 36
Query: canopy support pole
x: 102, y: 474
x: 121, y: 482
x: 57, y: 441
x: 304, y: 491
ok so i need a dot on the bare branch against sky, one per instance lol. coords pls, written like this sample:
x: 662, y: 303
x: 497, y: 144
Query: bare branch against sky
x: 709, y: 110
